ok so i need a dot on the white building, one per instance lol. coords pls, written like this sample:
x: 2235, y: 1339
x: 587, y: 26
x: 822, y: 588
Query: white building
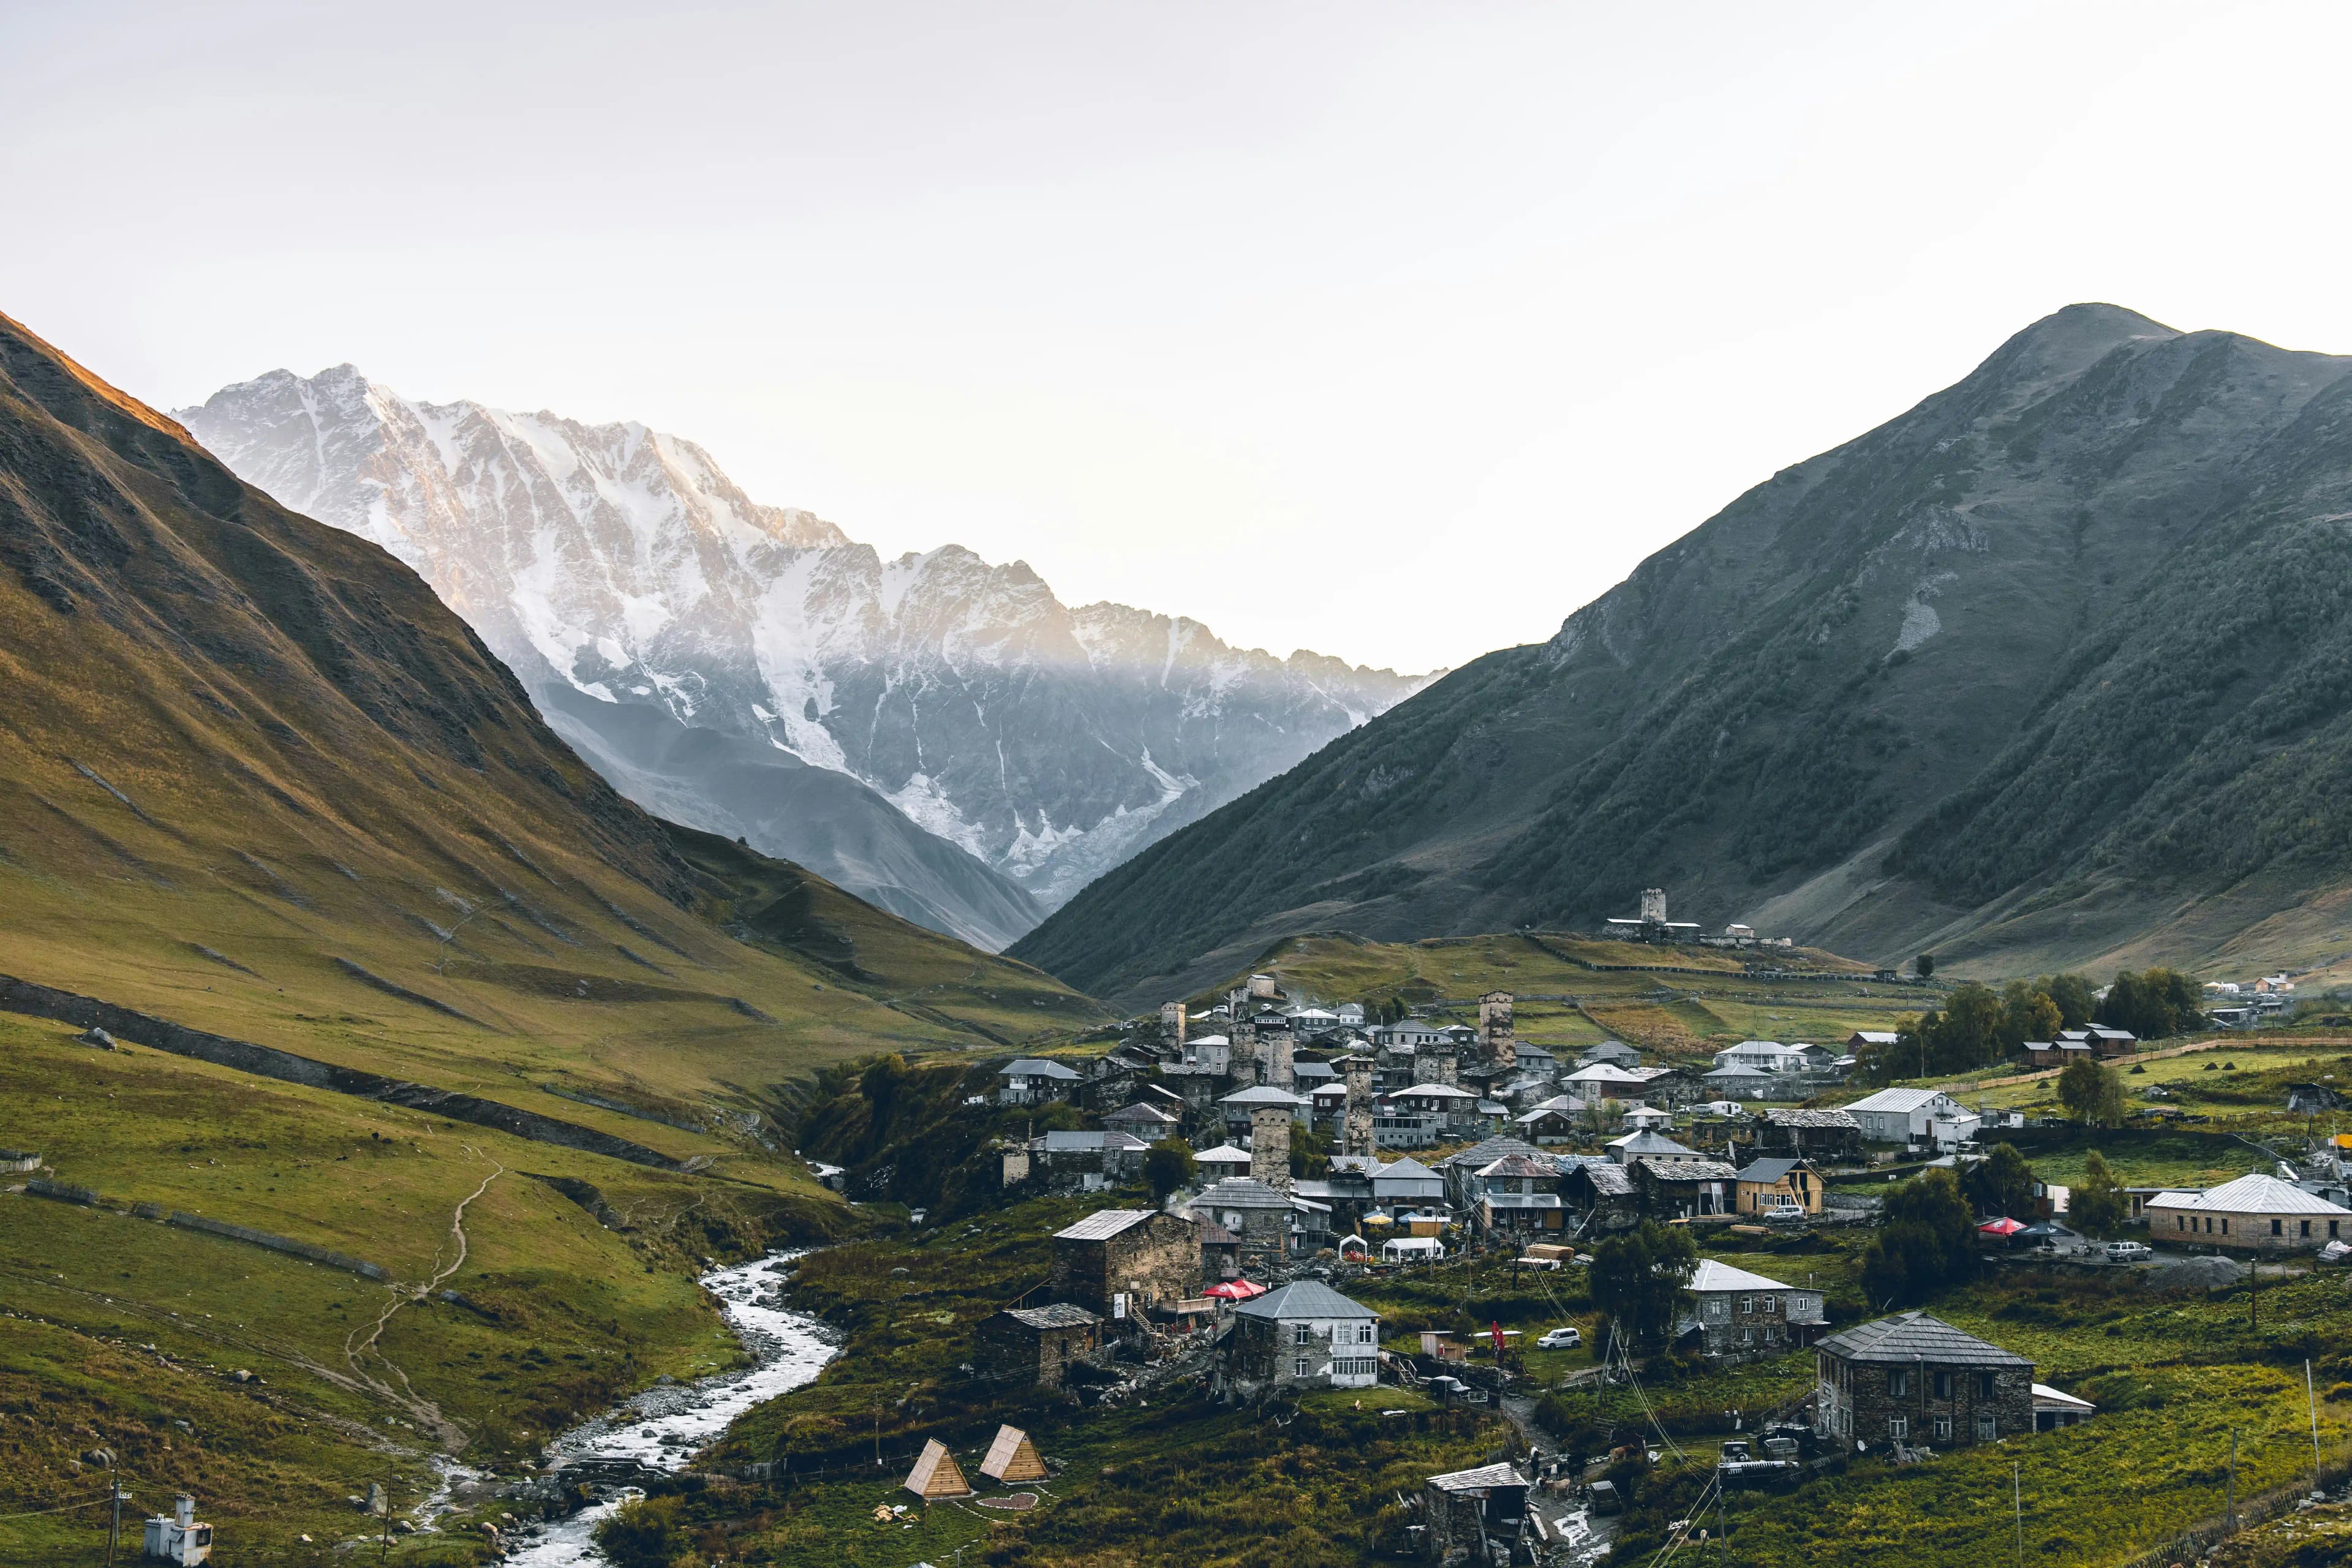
x: 1764, y: 1056
x: 1913, y: 1116
x: 179, y: 1538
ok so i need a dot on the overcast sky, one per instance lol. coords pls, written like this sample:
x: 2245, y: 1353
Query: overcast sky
x: 1393, y: 332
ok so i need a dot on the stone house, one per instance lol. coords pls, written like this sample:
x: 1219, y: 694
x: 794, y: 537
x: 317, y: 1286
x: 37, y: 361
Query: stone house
x: 1085, y: 1162
x: 1480, y: 1513
x: 1144, y: 1256
x: 1735, y: 1313
x: 1305, y: 1334
x: 1145, y: 1121
x: 1023, y: 1346
x: 1915, y: 1379
x: 1518, y: 1195
x: 1256, y: 1212
x: 2254, y: 1214
x: 1032, y: 1080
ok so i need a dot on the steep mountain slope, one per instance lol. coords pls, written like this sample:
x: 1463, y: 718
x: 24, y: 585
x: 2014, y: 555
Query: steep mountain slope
x: 259, y: 781
x: 2048, y: 668
x: 619, y: 564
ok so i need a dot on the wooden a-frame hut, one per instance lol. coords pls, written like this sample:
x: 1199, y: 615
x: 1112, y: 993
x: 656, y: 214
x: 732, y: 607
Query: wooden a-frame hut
x: 935, y: 1474
x: 1012, y: 1458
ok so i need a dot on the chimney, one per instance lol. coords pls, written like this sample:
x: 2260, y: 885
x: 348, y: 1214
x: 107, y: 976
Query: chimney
x: 1270, y: 1145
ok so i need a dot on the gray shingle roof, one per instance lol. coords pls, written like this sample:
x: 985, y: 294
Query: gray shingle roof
x: 1911, y: 1337
x: 1034, y: 1067
x: 1484, y: 1479
x: 1304, y: 1298
x: 1669, y: 1170
x: 1055, y: 1315
x: 1490, y: 1150
x: 1811, y: 1118
x: 1240, y: 1193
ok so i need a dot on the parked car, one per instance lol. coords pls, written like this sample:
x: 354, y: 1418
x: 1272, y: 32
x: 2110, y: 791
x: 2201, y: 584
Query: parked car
x: 1782, y: 1214
x: 2128, y: 1251
x: 1562, y: 1339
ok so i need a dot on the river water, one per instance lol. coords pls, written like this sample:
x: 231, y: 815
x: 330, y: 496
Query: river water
x: 663, y: 1426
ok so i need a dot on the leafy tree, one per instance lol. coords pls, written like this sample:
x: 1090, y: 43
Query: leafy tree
x: 2097, y: 1202
x: 1168, y: 1165
x: 1880, y: 1065
x: 1310, y: 1153
x: 2091, y: 1092
x: 1601, y: 1115
x: 2152, y: 1003
x: 2072, y: 993
x: 2027, y: 1013
x: 1971, y: 1032
x: 1637, y: 1276
x: 1999, y: 1184
x: 1925, y: 963
x: 1928, y: 1242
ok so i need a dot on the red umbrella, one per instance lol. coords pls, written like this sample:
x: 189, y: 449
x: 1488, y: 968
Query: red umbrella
x: 2004, y: 1227
x: 1235, y: 1290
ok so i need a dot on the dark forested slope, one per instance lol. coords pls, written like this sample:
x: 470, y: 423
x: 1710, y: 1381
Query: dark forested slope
x: 2052, y: 666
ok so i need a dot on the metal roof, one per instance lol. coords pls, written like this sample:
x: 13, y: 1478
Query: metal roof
x: 2257, y: 1194
x: 1488, y: 1151
x: 1264, y: 1094
x: 1304, y: 1298
x: 1062, y: 1141
x: 1240, y: 1193
x: 1769, y: 1170
x: 1636, y: 1145
x: 1034, y: 1067
x: 1713, y: 1276
x: 1104, y: 1224
x: 1224, y: 1153
x: 1899, y: 1099
x: 1910, y: 1337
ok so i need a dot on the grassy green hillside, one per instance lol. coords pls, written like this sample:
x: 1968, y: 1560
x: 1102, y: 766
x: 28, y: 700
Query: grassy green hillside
x: 1573, y: 991
x: 256, y: 781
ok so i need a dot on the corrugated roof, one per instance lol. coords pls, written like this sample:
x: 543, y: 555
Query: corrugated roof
x: 1636, y: 1145
x: 1909, y: 1337
x: 1061, y: 1141
x: 1264, y: 1094
x: 1769, y: 1170
x: 1903, y: 1099
x: 1104, y: 1224
x: 2258, y: 1194
x: 1304, y: 1298
x: 1488, y: 1151
x: 1034, y: 1067
x: 1222, y: 1152
x: 1713, y: 1276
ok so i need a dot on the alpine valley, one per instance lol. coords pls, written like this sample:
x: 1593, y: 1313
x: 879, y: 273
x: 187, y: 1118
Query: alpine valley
x: 936, y: 735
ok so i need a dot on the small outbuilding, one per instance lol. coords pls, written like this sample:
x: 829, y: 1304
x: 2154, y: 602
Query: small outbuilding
x: 1479, y: 1512
x: 1012, y: 1458
x: 936, y: 1475
x: 1033, y: 1345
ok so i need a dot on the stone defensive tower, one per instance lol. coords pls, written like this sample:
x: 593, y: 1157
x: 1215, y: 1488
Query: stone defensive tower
x: 1653, y: 906
x: 1270, y: 1145
x: 1497, y: 1046
x: 1356, y: 1131
x: 1171, y: 1023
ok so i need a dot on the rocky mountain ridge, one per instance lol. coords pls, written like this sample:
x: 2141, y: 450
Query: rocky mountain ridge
x: 2050, y: 669
x: 1040, y: 743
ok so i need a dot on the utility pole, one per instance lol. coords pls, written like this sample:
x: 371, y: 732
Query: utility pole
x: 384, y: 1543
x: 2229, y: 1498
x: 2254, y: 1289
x: 2312, y: 1405
x: 2017, y: 1501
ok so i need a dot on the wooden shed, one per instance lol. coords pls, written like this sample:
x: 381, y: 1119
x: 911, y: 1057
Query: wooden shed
x: 935, y: 1474
x: 1012, y: 1458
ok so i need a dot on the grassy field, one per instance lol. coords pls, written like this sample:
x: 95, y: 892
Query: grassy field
x: 1678, y: 1002
x: 122, y: 1325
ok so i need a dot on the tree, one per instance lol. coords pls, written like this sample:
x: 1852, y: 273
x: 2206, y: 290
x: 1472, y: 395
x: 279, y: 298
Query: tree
x: 1637, y: 1277
x: 1999, y: 1184
x: 1971, y: 1033
x: 1310, y: 1153
x: 1925, y: 963
x: 2152, y: 1003
x: 2097, y: 1204
x: 1601, y: 1114
x: 2072, y: 993
x: 2091, y: 1092
x: 1928, y: 1242
x: 1168, y: 1165
x: 2027, y: 1013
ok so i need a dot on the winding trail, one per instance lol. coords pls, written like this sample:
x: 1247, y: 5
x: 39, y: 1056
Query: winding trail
x: 453, y: 1438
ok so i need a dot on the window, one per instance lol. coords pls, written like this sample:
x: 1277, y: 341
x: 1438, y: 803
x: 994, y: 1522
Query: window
x: 1943, y: 1385
x: 1298, y: 1367
x: 1984, y: 1385
x: 1987, y: 1427
x: 1747, y: 1334
x: 2331, y: 1227
x: 1942, y: 1428
x: 1898, y: 1428
x: 1898, y: 1383
x: 2278, y: 1228
x: 1365, y: 1334
x: 1302, y: 1333
x: 1746, y: 1305
x: 2180, y: 1222
x: 2307, y: 1227
x: 1717, y: 1309
x: 2225, y: 1225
